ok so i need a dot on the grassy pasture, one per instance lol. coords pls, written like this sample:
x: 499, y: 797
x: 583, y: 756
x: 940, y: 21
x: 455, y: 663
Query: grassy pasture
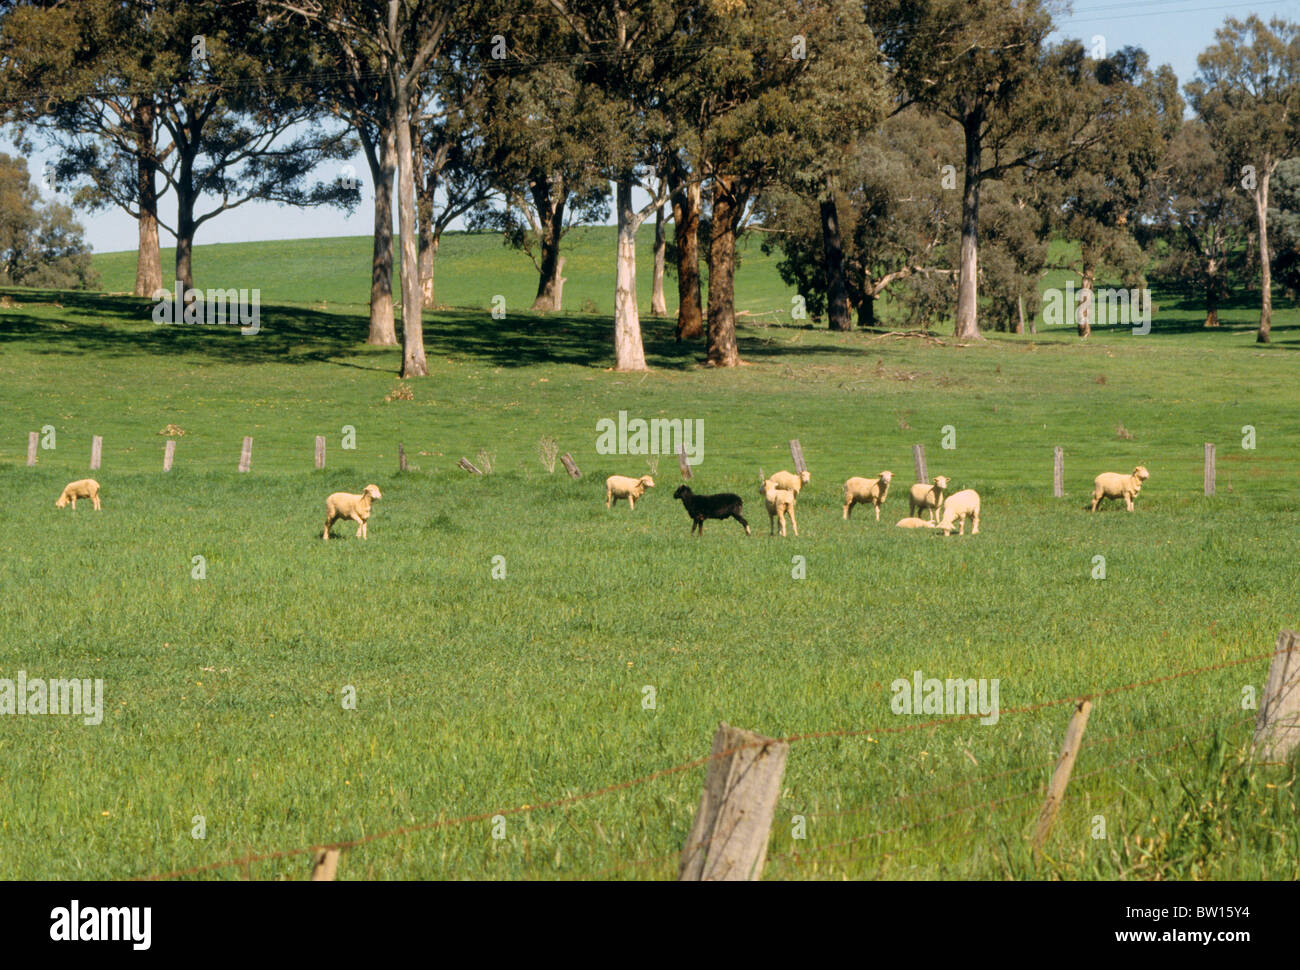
x: 223, y: 695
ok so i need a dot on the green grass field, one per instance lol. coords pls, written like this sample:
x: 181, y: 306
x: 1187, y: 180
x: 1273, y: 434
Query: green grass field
x: 475, y: 695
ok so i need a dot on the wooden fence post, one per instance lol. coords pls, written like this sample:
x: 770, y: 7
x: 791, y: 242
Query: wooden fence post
x: 1061, y: 776
x: 32, y: 439
x: 246, y: 455
x: 96, y: 451
x: 682, y: 463
x: 569, y: 466
x: 325, y: 866
x: 728, y: 841
x: 1058, y: 473
x: 918, y: 458
x: 1209, y: 468
x: 169, y: 453
x: 1277, y: 729
x: 401, y: 458
x: 320, y: 451
x: 796, y: 452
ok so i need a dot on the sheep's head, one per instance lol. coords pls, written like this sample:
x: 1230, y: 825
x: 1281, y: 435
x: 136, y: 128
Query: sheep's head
x: 805, y: 476
x: 61, y: 501
x: 1141, y: 473
x: 372, y: 491
x: 886, y: 477
x: 681, y: 491
x: 647, y: 481
x: 941, y: 482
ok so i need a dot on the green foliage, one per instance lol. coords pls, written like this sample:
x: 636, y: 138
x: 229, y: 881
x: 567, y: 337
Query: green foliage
x: 41, y: 243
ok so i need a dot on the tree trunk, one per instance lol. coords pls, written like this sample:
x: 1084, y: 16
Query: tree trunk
x: 1212, y: 293
x: 425, y: 188
x: 383, y: 161
x: 1020, y: 314
x: 1265, y: 259
x: 185, y: 223
x: 148, y: 262
x: 967, y: 326
x: 413, y: 362
x: 686, y: 239
x: 1083, y: 313
x: 722, y: 350
x: 549, y: 202
x: 837, y: 294
x: 867, y: 310
x: 629, y: 352
x: 658, y: 305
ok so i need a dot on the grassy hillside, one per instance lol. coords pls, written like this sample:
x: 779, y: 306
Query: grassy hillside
x: 476, y: 695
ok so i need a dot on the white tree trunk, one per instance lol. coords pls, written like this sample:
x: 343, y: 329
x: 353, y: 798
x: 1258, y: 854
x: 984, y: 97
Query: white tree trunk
x: 629, y: 352
x: 413, y: 362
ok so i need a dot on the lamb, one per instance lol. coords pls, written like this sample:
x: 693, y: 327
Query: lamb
x: 864, y: 490
x: 82, y: 488
x: 701, y: 507
x: 345, y: 505
x: 620, y: 486
x: 958, y: 507
x: 790, y: 481
x: 779, y: 502
x: 1115, y: 485
x: 928, y: 498
x: 914, y: 523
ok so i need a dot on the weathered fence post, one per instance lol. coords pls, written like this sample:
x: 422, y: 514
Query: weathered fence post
x: 682, y: 463
x: 1209, y: 468
x: 1061, y: 776
x: 728, y: 841
x: 96, y: 451
x: 320, y: 451
x: 466, y: 464
x: 32, y: 439
x: 1058, y: 473
x: 401, y: 458
x: 325, y: 866
x: 169, y: 453
x: 796, y: 452
x: 569, y: 466
x: 918, y: 458
x: 246, y: 455
x: 1277, y: 729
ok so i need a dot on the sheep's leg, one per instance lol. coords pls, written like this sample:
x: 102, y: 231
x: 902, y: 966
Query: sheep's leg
x: 1096, y: 497
x: 848, y: 505
x: 329, y: 521
x: 74, y: 503
x: 877, y: 504
x: 793, y: 522
x: 631, y: 503
x: 741, y: 519
x: 95, y: 499
x: 1128, y: 501
x: 975, y: 523
x: 609, y: 497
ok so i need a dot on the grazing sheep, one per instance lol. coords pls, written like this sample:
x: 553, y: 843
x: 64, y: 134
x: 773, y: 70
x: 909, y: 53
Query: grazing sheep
x: 83, y: 488
x: 620, y: 486
x: 1115, y: 485
x: 790, y: 481
x: 958, y: 507
x: 700, y: 507
x: 345, y: 505
x: 914, y: 523
x: 928, y: 498
x: 864, y: 490
x: 779, y: 502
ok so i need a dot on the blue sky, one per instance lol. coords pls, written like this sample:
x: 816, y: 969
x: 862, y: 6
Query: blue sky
x: 1171, y: 31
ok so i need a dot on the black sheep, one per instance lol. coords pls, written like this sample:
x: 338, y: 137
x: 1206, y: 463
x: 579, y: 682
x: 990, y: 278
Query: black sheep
x: 701, y: 507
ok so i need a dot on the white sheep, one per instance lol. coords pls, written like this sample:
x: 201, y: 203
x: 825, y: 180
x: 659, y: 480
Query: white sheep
x: 915, y: 523
x: 866, y: 490
x: 790, y: 481
x: 928, y: 498
x: 1115, y: 485
x: 957, y: 507
x: 620, y: 486
x: 82, y: 488
x: 345, y: 505
x: 779, y: 501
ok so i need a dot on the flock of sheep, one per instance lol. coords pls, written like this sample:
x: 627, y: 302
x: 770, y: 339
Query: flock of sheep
x: 780, y: 494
